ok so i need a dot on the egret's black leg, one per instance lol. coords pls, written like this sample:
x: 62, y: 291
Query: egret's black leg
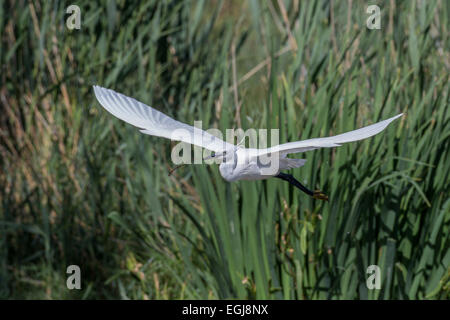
x: 289, y: 178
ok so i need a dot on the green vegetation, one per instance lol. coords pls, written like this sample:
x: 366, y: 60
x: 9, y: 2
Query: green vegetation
x: 81, y: 187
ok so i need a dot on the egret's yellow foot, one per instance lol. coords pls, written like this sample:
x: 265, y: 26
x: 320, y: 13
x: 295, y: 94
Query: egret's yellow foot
x: 320, y: 195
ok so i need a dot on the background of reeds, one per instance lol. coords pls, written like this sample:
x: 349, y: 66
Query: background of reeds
x: 78, y: 186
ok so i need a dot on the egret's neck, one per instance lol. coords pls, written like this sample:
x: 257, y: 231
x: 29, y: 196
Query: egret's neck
x: 228, y: 167
x: 226, y: 170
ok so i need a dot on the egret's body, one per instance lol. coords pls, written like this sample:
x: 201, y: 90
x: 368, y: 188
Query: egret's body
x: 245, y: 165
x: 237, y: 163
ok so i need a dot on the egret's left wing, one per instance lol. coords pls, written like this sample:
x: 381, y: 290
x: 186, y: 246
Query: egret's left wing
x: 156, y: 123
x: 329, y: 142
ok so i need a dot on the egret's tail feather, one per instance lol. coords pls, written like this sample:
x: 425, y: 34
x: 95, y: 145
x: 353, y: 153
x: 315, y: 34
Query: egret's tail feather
x: 288, y: 163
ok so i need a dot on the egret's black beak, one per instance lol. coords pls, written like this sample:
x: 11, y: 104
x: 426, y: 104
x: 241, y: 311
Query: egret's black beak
x: 175, y: 168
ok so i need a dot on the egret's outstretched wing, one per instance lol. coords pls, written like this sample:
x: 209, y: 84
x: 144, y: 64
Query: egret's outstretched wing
x: 334, y: 141
x: 155, y: 123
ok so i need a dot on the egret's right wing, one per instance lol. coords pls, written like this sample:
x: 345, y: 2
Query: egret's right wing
x: 329, y: 142
x: 155, y: 123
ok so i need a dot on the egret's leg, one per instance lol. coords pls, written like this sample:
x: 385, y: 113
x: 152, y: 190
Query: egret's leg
x: 289, y: 178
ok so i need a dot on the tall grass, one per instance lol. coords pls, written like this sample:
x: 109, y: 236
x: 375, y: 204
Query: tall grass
x: 80, y: 187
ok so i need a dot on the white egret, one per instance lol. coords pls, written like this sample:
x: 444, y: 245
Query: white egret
x: 238, y: 163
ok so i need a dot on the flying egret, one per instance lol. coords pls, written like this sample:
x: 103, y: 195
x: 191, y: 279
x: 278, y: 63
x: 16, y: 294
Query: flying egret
x: 238, y: 163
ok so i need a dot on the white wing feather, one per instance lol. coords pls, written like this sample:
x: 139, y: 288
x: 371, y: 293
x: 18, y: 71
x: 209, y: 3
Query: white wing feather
x: 155, y: 123
x: 334, y: 141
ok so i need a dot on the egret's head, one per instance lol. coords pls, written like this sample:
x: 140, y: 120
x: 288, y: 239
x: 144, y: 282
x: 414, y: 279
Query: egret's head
x: 224, y: 156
